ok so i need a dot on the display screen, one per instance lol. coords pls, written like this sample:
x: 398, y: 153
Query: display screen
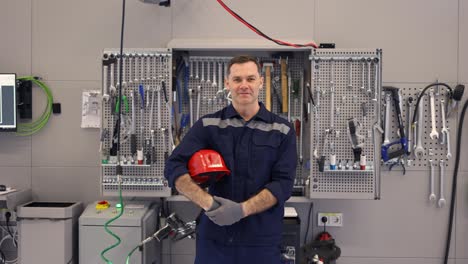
x: 7, y: 102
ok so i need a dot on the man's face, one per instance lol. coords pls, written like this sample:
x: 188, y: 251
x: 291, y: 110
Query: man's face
x: 244, y: 82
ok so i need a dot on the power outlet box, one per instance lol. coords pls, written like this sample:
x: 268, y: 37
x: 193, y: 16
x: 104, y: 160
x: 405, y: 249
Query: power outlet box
x: 332, y: 219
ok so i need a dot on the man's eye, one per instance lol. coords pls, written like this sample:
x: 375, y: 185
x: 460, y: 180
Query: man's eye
x: 251, y: 79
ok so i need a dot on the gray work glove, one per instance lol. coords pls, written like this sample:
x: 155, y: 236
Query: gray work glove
x: 227, y: 214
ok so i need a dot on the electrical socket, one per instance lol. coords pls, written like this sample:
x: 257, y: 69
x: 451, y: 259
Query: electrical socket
x: 333, y: 219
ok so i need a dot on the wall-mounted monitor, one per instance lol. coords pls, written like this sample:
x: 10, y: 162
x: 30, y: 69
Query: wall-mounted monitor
x: 7, y: 102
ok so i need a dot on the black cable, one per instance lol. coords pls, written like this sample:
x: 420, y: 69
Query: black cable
x: 454, y: 182
x: 308, y: 223
x: 7, y: 217
x: 119, y: 168
x: 2, y: 257
x: 422, y: 93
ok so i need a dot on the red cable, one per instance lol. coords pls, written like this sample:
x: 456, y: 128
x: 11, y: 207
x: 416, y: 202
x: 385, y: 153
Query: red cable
x: 279, y: 42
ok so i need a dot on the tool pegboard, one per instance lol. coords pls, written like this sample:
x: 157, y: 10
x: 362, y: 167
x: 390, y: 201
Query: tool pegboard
x: 201, y: 90
x: 344, y: 137
x: 427, y: 148
x: 145, y: 134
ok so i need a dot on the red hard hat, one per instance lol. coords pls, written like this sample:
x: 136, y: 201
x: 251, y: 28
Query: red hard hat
x: 207, y: 163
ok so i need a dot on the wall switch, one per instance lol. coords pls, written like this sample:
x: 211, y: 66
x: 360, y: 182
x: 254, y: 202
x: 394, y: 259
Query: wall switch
x: 331, y: 219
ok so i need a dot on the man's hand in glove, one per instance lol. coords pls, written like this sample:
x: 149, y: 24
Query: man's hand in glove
x: 227, y: 213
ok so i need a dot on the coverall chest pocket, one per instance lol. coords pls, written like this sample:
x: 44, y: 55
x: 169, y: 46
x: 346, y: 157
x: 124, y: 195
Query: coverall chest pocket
x: 264, y: 149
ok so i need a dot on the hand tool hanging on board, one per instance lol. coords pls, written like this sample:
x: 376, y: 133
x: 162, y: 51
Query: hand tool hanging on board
x: 386, y: 155
x: 434, y: 134
x: 140, y: 152
x: 301, y: 118
x: 441, y: 203
x: 170, y: 145
x: 105, y: 69
x: 419, y: 149
x: 267, y: 67
x: 444, y: 131
x: 357, y: 140
x: 284, y: 84
x: 409, y: 117
x: 432, y: 196
x: 198, y: 102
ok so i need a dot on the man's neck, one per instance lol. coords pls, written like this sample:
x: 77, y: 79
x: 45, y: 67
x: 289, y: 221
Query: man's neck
x: 247, y: 111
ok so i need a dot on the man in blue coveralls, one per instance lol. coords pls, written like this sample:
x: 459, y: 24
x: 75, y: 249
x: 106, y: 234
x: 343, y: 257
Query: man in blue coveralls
x: 243, y: 212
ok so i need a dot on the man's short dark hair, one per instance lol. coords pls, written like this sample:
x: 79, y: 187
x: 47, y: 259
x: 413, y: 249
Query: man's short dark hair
x: 243, y: 59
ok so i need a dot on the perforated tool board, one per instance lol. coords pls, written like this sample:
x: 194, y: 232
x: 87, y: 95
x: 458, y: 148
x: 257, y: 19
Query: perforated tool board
x: 151, y: 69
x: 346, y: 84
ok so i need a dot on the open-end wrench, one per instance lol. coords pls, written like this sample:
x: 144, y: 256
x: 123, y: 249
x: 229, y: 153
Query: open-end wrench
x: 198, y: 102
x: 112, y: 88
x: 432, y: 196
x: 220, y: 92
x: 214, y: 84
x: 191, y: 92
x: 369, y: 91
x: 208, y: 67
x: 197, y: 70
x: 202, y: 71
x: 449, y: 153
x: 387, y: 119
x: 443, y: 138
x: 220, y: 75
x: 442, y: 201
x: 376, y: 79
x: 191, y: 69
x: 434, y: 134
x: 105, y: 89
x: 409, y: 117
x: 419, y: 150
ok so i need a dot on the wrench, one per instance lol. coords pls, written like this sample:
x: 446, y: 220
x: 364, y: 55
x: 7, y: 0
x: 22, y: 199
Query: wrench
x: 208, y: 72
x: 434, y: 134
x: 419, y: 150
x: 409, y: 132
x: 369, y: 91
x: 191, y: 69
x: 202, y: 72
x: 198, y: 102
x: 376, y: 79
x: 432, y: 196
x: 214, y: 84
x: 105, y: 95
x: 191, y: 92
x: 197, y: 68
x: 112, y: 88
x: 443, y: 138
x: 442, y: 201
x: 449, y: 153
x: 220, y: 75
x: 387, y: 119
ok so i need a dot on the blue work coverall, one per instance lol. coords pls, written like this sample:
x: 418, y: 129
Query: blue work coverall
x: 261, y: 154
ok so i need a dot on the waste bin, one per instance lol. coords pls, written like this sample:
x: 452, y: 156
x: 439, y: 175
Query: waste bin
x: 48, y: 232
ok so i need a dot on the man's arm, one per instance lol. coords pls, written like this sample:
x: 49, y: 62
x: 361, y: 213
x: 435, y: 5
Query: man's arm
x: 186, y: 186
x: 263, y: 201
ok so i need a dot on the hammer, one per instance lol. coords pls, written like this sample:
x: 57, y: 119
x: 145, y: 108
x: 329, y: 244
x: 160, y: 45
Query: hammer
x: 267, y: 67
